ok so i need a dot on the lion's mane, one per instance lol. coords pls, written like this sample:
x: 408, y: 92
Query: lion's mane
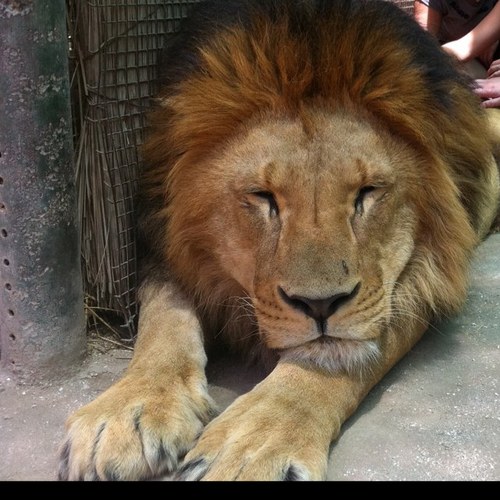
x: 257, y: 57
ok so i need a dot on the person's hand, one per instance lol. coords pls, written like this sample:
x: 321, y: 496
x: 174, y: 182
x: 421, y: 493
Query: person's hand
x: 494, y: 69
x: 489, y: 90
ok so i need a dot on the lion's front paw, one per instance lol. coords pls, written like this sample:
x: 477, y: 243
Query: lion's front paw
x: 134, y: 430
x: 259, y: 439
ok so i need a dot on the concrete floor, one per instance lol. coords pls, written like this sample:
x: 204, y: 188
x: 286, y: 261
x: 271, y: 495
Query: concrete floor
x: 436, y: 416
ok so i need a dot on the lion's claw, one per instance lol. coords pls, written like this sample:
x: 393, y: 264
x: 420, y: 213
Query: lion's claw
x: 247, y: 443
x: 198, y: 468
x: 133, y: 432
x: 147, y: 456
x: 295, y: 473
x: 193, y: 470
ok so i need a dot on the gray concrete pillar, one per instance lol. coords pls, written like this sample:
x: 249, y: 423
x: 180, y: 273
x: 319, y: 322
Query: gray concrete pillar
x: 42, y: 321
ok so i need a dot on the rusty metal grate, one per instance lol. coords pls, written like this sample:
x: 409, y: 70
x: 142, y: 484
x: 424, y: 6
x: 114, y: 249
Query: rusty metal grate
x: 113, y: 51
x: 406, y: 5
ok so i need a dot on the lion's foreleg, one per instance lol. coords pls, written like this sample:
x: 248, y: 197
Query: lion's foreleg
x: 144, y: 423
x: 170, y: 339
x: 283, y: 428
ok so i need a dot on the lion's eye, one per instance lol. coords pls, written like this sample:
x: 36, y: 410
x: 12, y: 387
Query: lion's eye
x: 359, y: 204
x: 271, y: 201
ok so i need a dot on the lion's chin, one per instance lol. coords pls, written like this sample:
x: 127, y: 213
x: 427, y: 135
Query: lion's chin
x: 335, y: 354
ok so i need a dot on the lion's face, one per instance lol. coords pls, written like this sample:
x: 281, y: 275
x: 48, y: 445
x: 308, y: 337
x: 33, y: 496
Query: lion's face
x: 316, y: 222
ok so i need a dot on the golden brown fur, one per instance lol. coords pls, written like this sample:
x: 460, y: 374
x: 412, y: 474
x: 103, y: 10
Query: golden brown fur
x: 317, y: 181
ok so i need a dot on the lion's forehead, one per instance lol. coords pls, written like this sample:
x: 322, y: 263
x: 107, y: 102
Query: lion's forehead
x: 330, y: 150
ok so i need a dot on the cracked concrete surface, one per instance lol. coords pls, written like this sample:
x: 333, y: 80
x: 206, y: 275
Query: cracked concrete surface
x: 435, y: 416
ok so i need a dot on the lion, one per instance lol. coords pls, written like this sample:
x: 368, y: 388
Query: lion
x: 317, y: 176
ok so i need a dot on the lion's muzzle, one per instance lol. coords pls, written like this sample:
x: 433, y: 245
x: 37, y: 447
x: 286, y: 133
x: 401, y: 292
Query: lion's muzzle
x: 320, y: 309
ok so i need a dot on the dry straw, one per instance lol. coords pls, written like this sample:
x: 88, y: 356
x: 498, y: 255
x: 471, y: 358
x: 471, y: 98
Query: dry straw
x: 113, y: 49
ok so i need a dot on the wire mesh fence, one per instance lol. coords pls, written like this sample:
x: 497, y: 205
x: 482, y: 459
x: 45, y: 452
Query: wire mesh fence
x: 113, y: 50
x: 406, y: 5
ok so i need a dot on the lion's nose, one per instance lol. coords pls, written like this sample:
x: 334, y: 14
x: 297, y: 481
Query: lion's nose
x: 319, y: 309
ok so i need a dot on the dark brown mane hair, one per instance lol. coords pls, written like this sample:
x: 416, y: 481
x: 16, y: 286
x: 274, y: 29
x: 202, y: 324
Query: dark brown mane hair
x: 236, y: 60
